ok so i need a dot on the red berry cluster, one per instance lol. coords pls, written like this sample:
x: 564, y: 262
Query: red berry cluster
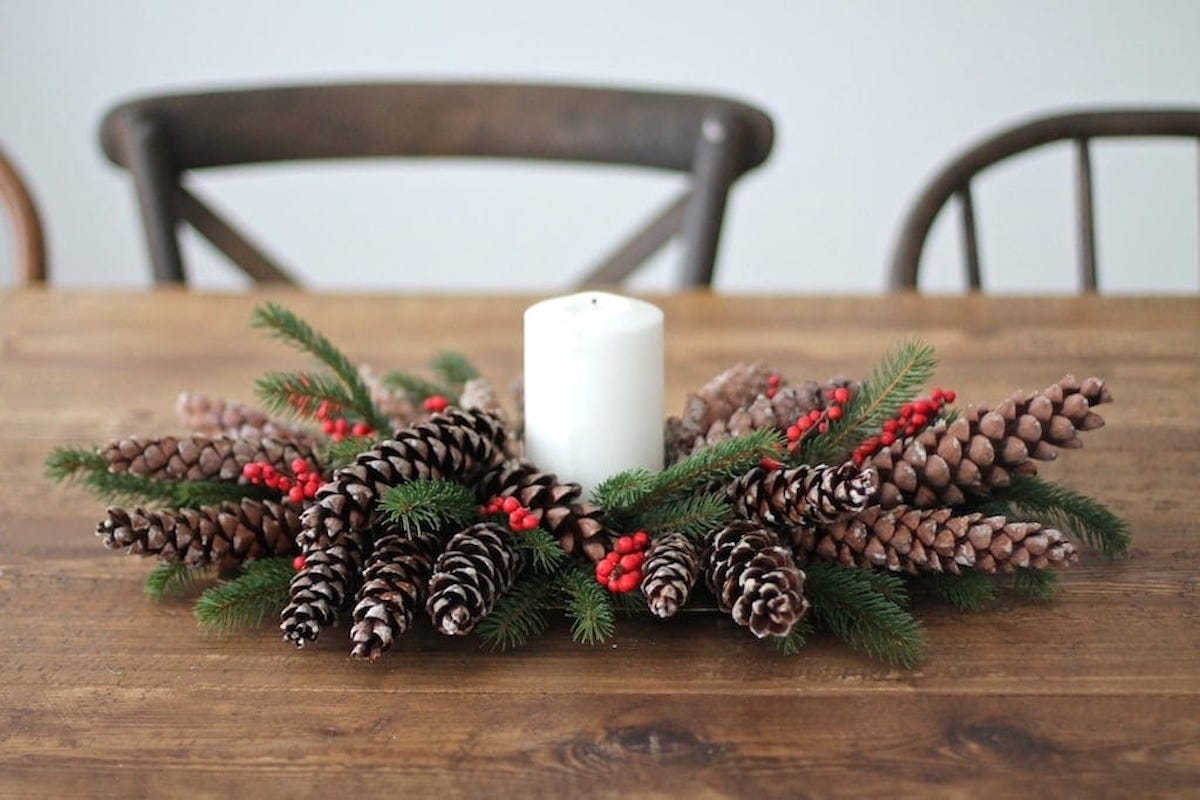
x: 299, y: 562
x: 913, y: 417
x: 337, y: 428
x: 772, y: 385
x: 817, y: 420
x: 520, y: 518
x: 621, y: 570
x: 435, y: 403
x: 301, y: 485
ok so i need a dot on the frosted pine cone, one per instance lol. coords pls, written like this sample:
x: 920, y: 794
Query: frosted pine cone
x: 803, y: 496
x: 210, y: 417
x: 939, y: 540
x: 669, y: 573
x: 223, y: 536
x: 204, y: 458
x: 755, y: 579
x: 395, y: 583
x: 477, y: 566
x: 330, y: 575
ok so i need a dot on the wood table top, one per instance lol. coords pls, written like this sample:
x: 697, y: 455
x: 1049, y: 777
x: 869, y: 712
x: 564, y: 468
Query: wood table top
x: 104, y: 693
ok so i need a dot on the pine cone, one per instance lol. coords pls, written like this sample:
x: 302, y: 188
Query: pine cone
x: 478, y: 565
x: 983, y: 448
x: 478, y: 394
x: 205, y: 415
x: 395, y: 581
x: 755, y: 579
x: 203, y: 458
x: 938, y: 540
x: 669, y: 572
x: 224, y: 536
x: 392, y: 402
x: 579, y: 527
x: 331, y: 573
x: 803, y: 496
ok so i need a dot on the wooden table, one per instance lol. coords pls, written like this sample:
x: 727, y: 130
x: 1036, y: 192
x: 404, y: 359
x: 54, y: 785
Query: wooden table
x: 106, y: 694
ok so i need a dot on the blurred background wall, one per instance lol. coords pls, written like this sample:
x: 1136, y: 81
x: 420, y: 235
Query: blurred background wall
x: 868, y: 98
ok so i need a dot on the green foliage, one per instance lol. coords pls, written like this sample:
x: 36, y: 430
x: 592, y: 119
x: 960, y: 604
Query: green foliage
x: 453, y: 369
x: 520, y: 614
x: 173, y: 579
x: 259, y: 592
x: 694, y: 516
x: 895, y: 380
x: 339, y: 454
x: 286, y: 326
x: 589, y: 607
x: 300, y: 394
x: 544, y: 552
x: 428, y: 504
x: 794, y: 642
x: 1031, y: 496
x: 1037, y: 585
x: 967, y: 591
x: 89, y: 469
x: 416, y: 388
x: 864, y: 609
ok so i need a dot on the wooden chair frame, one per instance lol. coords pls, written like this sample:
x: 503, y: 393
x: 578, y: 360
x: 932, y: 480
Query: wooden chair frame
x: 29, y: 236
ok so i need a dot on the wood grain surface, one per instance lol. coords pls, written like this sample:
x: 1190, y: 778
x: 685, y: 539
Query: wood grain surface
x: 106, y: 694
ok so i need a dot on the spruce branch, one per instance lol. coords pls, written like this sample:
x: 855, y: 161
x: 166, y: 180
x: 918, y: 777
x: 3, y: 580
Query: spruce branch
x: 1057, y: 505
x: 589, y: 607
x: 300, y: 394
x: 520, y: 613
x: 1036, y: 585
x: 894, y: 381
x: 695, y: 516
x: 339, y: 454
x: 854, y: 605
x: 288, y: 327
x: 259, y: 592
x: 428, y: 504
x: 416, y: 388
x: 453, y: 369
x: 172, y: 579
x: 968, y: 591
x: 797, y: 637
x: 545, y: 553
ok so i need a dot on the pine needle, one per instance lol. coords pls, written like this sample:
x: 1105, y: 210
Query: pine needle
x: 589, y: 607
x: 453, y: 369
x: 544, y: 551
x: 428, y: 504
x: 794, y: 642
x: 300, y: 394
x: 172, y: 579
x: 416, y: 388
x: 1066, y: 508
x: 339, y: 454
x: 291, y: 329
x: 967, y: 591
x: 519, y: 614
x: 259, y: 592
x: 895, y: 380
x: 853, y: 604
x: 1036, y: 585
x: 695, y: 516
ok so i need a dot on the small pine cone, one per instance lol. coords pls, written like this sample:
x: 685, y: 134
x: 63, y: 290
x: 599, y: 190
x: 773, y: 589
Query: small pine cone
x: 803, y: 496
x: 392, y: 402
x: 669, y: 572
x: 755, y: 579
x: 579, y: 527
x: 460, y: 445
x: 205, y: 415
x: 939, y: 540
x: 983, y: 448
x: 394, y: 587
x: 478, y: 393
x: 331, y: 574
x: 478, y: 565
x: 224, y: 536
x: 204, y: 458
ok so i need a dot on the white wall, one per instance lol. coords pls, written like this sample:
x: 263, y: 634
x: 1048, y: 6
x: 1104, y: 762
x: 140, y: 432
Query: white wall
x: 868, y: 98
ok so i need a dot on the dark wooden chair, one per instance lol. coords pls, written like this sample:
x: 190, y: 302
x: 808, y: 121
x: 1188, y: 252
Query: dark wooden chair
x: 160, y: 139
x: 26, y: 224
x: 954, y: 180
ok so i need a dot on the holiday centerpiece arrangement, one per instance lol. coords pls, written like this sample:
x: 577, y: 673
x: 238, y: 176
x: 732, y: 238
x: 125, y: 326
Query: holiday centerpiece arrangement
x: 789, y: 506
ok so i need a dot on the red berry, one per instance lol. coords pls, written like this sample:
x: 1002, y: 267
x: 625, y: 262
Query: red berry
x: 604, y: 569
x: 629, y: 581
x: 529, y: 523
x: 283, y: 483
x: 841, y: 394
x: 613, y: 556
x: 919, y: 420
x: 910, y: 430
x: 937, y: 393
x: 773, y: 380
x: 298, y: 562
x: 890, y: 426
x: 436, y: 403
x: 632, y: 560
x: 906, y: 410
x: 515, y: 519
x: 835, y: 412
x: 340, y: 425
x: 793, y: 433
x: 299, y: 466
x: 361, y: 429
x: 921, y: 407
x: 510, y: 504
x: 949, y: 395
x: 252, y: 471
x: 296, y: 494
x: 771, y: 391
x: 887, y: 438
x: 328, y: 427
x: 804, y: 423
x: 814, y: 415
x: 858, y: 458
x: 641, y: 539
x: 625, y: 545
x: 768, y: 463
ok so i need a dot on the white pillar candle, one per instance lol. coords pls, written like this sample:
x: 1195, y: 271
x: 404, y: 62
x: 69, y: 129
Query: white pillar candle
x: 593, y: 386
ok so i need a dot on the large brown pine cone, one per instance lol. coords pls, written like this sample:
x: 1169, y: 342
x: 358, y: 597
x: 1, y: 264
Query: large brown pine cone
x: 669, y: 573
x: 330, y: 575
x: 578, y: 526
x: 204, y: 458
x: 984, y: 447
x: 394, y: 587
x: 224, y: 536
x: 212, y: 417
x: 939, y: 540
x: 755, y: 579
x: 785, y: 498
x: 478, y: 565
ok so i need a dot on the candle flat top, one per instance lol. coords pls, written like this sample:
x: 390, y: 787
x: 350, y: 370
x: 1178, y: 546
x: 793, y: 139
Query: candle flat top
x: 604, y: 308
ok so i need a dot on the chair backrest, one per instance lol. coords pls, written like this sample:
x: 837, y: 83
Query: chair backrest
x: 159, y: 139
x: 954, y: 180
x: 26, y: 224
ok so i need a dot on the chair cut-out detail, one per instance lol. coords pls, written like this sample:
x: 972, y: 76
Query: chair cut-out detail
x: 29, y: 238
x: 954, y: 180
x: 160, y: 139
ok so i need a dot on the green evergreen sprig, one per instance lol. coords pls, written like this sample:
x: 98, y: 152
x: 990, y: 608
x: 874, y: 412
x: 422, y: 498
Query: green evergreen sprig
x: 519, y: 614
x: 695, y: 516
x: 797, y: 637
x: 339, y: 454
x: 416, y: 388
x: 968, y: 591
x: 259, y: 592
x: 89, y: 469
x: 428, y: 504
x: 589, y: 607
x: 453, y: 369
x: 865, y: 609
x: 545, y: 553
x: 294, y: 331
x: 173, y: 579
x: 1036, y: 585
x: 895, y: 380
x: 1035, y: 497
x: 300, y: 394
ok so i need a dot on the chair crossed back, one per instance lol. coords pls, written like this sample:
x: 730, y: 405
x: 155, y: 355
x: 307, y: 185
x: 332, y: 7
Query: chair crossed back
x: 954, y: 180
x: 26, y: 224
x: 160, y: 139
